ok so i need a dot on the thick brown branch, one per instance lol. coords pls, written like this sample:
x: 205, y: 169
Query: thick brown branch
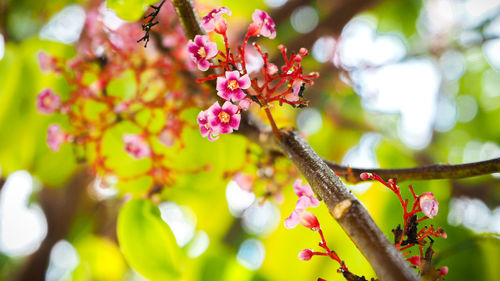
x: 430, y: 172
x: 385, y: 259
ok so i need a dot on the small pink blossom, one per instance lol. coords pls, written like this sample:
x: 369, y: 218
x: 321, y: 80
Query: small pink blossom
x: 55, y: 137
x: 136, y: 146
x: 205, y: 129
x: 223, y: 120
x: 245, y: 182
x: 245, y: 103
x: 167, y: 138
x: 304, y: 190
x: 230, y: 88
x: 306, y: 254
x: 201, y: 50
x: 263, y: 24
x: 47, y: 101
x: 215, y: 21
x: 47, y: 63
x: 428, y: 204
x: 272, y: 69
x: 303, y: 217
x: 294, y: 95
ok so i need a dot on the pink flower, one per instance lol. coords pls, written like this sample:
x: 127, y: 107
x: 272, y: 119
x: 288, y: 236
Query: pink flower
x: 47, y: 101
x: 136, y: 146
x: 214, y: 20
x: 303, y: 217
x: 201, y: 50
x: 223, y: 120
x: 230, y: 88
x: 55, y: 137
x: 205, y: 129
x: 294, y: 95
x: 167, y: 138
x: 47, y: 63
x: 263, y: 24
x: 306, y: 254
x: 245, y: 182
x: 428, y: 204
x: 304, y: 190
x: 245, y: 103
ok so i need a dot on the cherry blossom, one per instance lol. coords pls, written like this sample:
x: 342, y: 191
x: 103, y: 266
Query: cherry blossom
x: 136, y: 146
x: 428, y: 204
x: 263, y: 24
x: 47, y: 101
x: 47, y: 63
x: 304, y: 190
x: 215, y: 21
x: 205, y: 129
x: 225, y: 119
x: 231, y: 87
x: 201, y: 50
x: 56, y: 137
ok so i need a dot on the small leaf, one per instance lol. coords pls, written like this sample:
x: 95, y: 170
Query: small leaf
x: 147, y: 242
x: 130, y: 10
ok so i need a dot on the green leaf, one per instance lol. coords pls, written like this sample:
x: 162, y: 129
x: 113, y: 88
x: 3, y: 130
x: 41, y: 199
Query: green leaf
x: 130, y: 10
x: 147, y: 242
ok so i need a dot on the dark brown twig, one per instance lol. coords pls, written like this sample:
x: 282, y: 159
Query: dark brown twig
x: 151, y: 22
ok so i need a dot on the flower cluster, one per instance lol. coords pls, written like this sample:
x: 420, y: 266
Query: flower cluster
x: 234, y: 83
x: 98, y: 110
x: 309, y: 220
x: 408, y: 236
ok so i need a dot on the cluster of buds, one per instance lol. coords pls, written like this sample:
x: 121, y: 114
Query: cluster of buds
x: 410, y: 235
x: 245, y: 77
x: 96, y: 110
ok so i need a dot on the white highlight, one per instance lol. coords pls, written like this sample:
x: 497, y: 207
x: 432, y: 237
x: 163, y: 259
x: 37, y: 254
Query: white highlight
x: 181, y: 221
x: 304, y: 19
x: 23, y: 227
x: 251, y: 254
x: 238, y: 199
x: 63, y: 260
x: 261, y: 218
x: 65, y: 26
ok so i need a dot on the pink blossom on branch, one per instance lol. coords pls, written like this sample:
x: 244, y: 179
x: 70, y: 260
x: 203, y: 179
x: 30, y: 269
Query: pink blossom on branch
x: 225, y: 119
x: 304, y: 190
x: 55, y: 137
x: 231, y: 87
x: 201, y: 50
x: 262, y: 24
x: 136, y: 146
x: 205, y: 129
x: 47, y: 101
x: 215, y: 21
x: 428, y: 204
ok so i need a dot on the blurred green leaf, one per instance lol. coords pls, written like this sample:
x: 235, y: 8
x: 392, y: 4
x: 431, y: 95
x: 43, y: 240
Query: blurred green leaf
x: 130, y: 10
x: 147, y: 242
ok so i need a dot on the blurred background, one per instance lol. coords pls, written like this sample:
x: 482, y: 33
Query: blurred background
x: 402, y: 83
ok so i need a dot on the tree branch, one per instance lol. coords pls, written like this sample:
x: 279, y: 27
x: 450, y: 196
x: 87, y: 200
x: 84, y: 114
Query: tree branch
x: 385, y: 259
x: 430, y: 172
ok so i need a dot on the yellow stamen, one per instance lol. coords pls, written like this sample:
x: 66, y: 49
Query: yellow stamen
x: 202, y: 52
x: 233, y: 85
x: 224, y: 117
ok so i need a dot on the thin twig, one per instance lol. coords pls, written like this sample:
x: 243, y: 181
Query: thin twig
x: 430, y: 172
